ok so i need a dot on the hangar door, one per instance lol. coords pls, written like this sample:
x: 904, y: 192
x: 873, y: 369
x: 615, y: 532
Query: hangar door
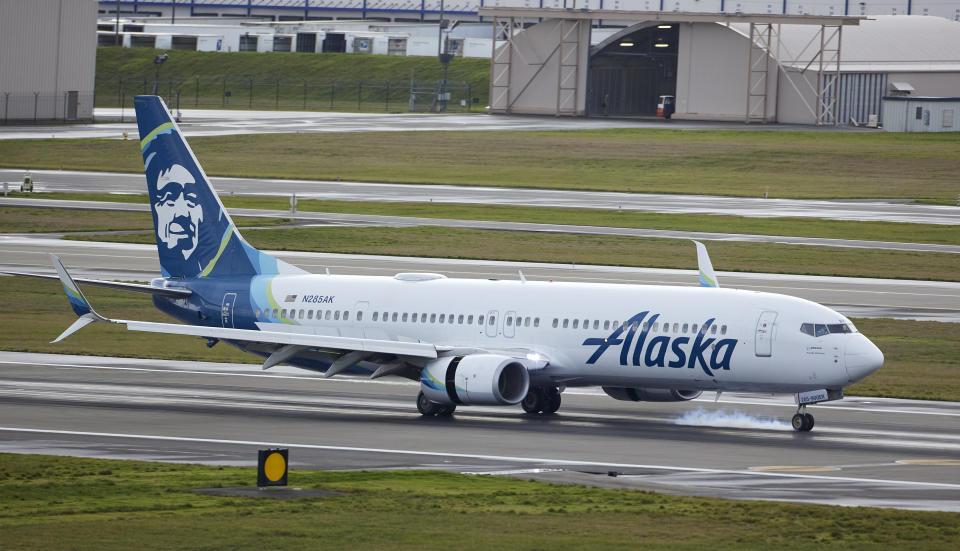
x: 628, y: 76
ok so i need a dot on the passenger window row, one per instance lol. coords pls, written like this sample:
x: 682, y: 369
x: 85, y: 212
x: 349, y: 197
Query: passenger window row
x: 657, y: 327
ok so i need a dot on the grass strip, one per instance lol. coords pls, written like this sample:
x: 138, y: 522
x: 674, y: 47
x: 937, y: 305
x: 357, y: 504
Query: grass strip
x: 799, y: 164
x: 800, y: 227
x: 597, y: 250
x: 38, y: 220
x: 49, y: 502
x: 922, y: 358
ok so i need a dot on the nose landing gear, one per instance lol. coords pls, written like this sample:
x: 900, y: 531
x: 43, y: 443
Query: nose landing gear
x: 802, y: 421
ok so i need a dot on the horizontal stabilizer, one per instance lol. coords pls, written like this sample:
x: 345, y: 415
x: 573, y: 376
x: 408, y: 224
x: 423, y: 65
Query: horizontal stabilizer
x: 79, y: 324
x: 135, y: 287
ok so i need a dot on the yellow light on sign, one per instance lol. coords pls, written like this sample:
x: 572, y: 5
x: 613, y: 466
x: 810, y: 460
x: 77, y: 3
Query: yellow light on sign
x: 664, y: 26
x: 661, y: 45
x: 626, y: 44
x: 272, y: 468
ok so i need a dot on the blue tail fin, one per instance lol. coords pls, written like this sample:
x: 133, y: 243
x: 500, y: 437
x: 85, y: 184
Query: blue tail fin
x: 195, y: 235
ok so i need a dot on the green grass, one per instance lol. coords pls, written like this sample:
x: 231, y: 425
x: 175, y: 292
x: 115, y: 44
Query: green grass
x: 203, y: 77
x: 599, y: 250
x: 36, y: 220
x: 805, y: 227
x: 49, y: 502
x: 716, y: 162
x: 922, y: 358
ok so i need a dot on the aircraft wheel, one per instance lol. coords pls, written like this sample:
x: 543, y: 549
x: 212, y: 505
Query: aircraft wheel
x: 802, y: 422
x: 426, y: 407
x: 552, y: 402
x: 446, y: 411
x: 533, y: 402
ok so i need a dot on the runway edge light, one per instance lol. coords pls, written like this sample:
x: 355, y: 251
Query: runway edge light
x: 272, y: 467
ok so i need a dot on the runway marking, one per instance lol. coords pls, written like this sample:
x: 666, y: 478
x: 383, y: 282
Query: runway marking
x: 484, y: 457
x: 938, y: 462
x: 794, y: 468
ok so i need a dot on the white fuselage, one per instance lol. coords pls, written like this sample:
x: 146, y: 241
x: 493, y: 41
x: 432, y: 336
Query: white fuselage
x: 589, y: 334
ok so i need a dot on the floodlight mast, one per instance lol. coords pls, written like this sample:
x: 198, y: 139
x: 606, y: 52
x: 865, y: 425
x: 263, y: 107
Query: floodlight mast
x: 158, y: 61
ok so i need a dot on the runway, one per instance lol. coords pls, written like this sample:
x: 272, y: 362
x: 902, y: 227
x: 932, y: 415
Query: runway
x: 878, y: 452
x: 863, y: 210
x: 326, y: 218
x: 855, y: 297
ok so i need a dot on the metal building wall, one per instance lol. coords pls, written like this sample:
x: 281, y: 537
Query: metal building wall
x: 860, y: 96
x: 49, y: 51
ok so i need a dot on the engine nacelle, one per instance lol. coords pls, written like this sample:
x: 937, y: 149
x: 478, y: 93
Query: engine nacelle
x: 488, y: 379
x: 650, y: 394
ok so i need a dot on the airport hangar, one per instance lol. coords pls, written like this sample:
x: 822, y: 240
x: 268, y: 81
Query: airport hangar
x: 801, y: 69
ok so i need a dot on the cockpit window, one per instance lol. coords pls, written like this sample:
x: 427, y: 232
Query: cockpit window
x: 821, y: 329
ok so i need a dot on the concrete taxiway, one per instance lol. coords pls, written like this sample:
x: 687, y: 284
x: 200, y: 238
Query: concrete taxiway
x: 856, y: 297
x: 863, y: 451
x: 326, y: 218
x: 888, y: 211
x: 113, y: 122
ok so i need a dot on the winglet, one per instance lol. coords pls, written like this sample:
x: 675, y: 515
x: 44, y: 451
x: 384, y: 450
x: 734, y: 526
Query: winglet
x: 707, y: 277
x: 78, y: 302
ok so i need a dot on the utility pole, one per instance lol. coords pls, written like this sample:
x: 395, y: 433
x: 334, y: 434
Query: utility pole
x: 116, y: 29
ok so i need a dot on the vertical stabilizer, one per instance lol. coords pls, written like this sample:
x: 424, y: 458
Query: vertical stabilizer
x: 195, y: 235
x: 707, y: 276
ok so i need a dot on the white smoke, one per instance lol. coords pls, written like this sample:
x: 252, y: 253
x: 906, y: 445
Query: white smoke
x: 727, y: 419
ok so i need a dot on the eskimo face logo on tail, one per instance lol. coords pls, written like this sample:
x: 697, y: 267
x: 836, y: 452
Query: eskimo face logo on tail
x: 709, y: 353
x: 178, y: 210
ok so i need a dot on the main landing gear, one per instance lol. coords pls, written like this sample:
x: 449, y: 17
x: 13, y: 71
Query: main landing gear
x: 433, y: 409
x: 802, y: 421
x: 541, y: 399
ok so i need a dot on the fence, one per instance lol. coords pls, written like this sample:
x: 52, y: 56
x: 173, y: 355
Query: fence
x: 248, y: 92
x: 39, y: 107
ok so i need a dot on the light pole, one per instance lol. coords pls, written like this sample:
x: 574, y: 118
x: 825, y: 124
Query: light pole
x: 158, y: 61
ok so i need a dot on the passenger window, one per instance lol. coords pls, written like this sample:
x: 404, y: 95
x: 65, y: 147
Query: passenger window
x: 656, y: 327
x: 309, y: 314
x: 346, y: 315
x: 536, y: 322
x: 433, y: 318
x: 666, y: 327
x: 509, y: 321
x: 443, y: 318
x: 685, y: 327
x: 406, y: 316
x: 526, y: 322
x: 723, y: 329
x: 394, y: 317
x: 566, y: 322
x: 713, y: 329
x: 275, y: 313
x: 676, y: 327
x: 479, y: 320
x: 596, y: 324
x: 606, y: 325
x: 460, y: 319
x: 328, y: 315
x: 423, y: 317
x: 586, y: 324
x: 576, y: 324
x: 556, y: 322
x: 413, y: 317
x: 375, y: 316
x: 470, y: 319
x: 336, y: 315
x: 258, y: 312
x: 283, y: 313
x: 492, y: 320
x: 360, y: 316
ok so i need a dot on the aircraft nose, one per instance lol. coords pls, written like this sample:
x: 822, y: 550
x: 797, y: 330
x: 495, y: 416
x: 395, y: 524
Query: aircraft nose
x: 862, y: 357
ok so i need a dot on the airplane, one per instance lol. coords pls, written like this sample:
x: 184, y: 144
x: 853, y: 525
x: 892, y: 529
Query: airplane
x: 468, y: 341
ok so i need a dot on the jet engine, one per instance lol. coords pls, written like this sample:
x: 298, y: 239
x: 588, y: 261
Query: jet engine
x: 487, y: 379
x: 650, y: 394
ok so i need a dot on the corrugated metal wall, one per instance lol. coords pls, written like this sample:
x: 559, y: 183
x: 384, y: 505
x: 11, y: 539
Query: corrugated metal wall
x: 48, y: 50
x: 860, y: 95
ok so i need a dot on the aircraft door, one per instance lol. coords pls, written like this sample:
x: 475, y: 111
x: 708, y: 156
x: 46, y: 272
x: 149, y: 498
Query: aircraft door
x: 492, y: 323
x: 226, y: 309
x: 509, y: 324
x: 764, y: 336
